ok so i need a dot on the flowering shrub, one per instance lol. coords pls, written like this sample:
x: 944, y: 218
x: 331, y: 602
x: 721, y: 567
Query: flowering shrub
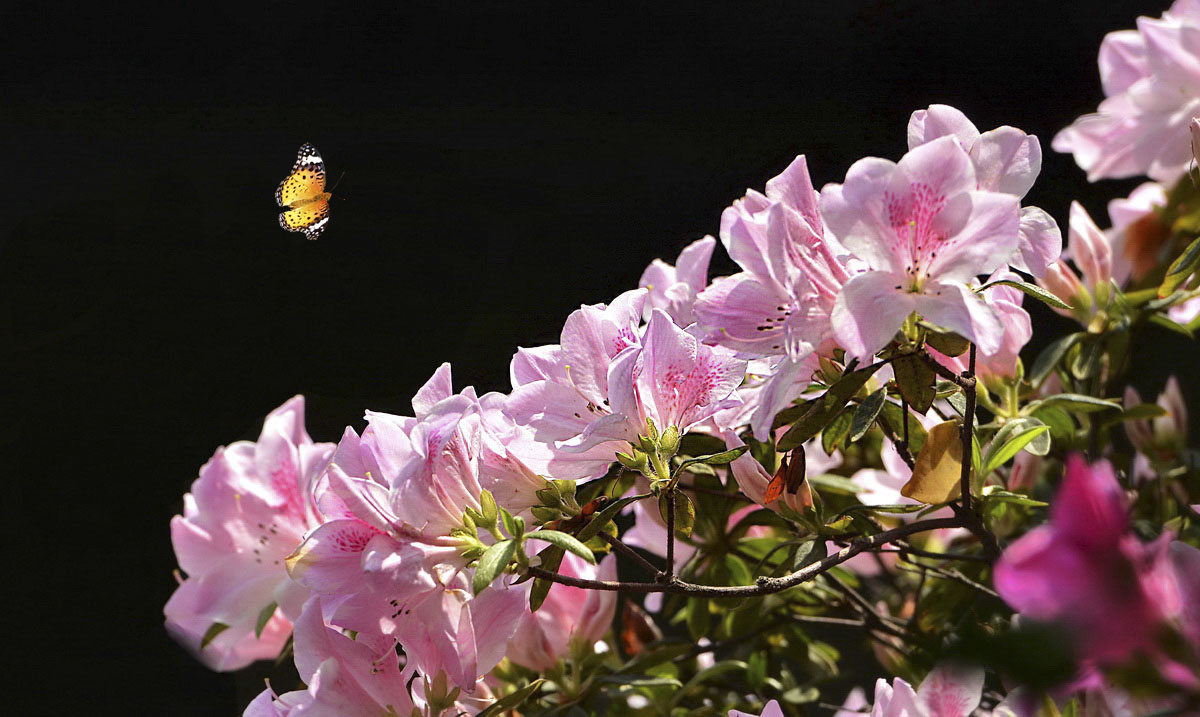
x: 757, y: 493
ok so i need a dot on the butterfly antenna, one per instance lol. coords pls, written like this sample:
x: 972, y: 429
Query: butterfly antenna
x: 339, y: 181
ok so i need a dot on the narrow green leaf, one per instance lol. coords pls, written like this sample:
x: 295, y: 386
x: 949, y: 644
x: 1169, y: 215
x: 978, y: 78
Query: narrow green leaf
x: 825, y: 408
x: 716, y: 459
x: 493, y: 562
x: 601, y: 519
x: 565, y: 541
x: 995, y: 493
x: 699, y: 619
x: 1078, y: 402
x: 1001, y: 455
x: 866, y: 413
x: 915, y: 379
x: 211, y: 633
x: 1033, y: 290
x: 551, y: 559
x: 264, y: 616
x: 1169, y: 325
x: 1050, y: 357
x: 1180, y: 269
x: 834, y: 483
x: 511, y: 701
x: 1140, y: 412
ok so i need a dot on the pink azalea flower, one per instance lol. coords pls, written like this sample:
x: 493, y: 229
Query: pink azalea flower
x: 674, y: 288
x: 1018, y: 330
x: 671, y: 378
x: 570, y: 619
x: 779, y: 305
x: 1138, y: 237
x: 1092, y: 251
x: 560, y: 390
x: 925, y: 231
x: 947, y: 691
x: 389, y: 565
x: 1005, y: 160
x: 345, y: 676
x: 1151, y: 79
x: 1162, y: 438
x: 770, y: 709
x: 249, y: 508
x: 1087, y: 571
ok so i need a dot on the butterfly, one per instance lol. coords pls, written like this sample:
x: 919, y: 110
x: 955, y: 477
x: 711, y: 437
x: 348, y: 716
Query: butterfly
x: 303, y: 193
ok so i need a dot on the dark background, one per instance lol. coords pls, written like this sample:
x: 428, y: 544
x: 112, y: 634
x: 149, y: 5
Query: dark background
x: 504, y: 162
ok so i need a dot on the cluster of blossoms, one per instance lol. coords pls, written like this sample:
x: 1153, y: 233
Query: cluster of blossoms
x: 463, y: 559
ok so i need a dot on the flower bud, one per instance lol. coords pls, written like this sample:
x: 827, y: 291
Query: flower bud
x: 1063, y: 282
x: 636, y: 462
x: 1089, y: 248
x: 668, y: 443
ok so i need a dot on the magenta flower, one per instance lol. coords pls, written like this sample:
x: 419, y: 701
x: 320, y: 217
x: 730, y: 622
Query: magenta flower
x: 1086, y: 571
x: 674, y: 288
x: 249, y: 508
x: 1151, y: 78
x: 925, y: 231
x: 570, y: 621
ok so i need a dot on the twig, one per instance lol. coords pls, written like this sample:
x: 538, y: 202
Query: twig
x: 630, y: 552
x: 764, y: 585
x: 968, y: 385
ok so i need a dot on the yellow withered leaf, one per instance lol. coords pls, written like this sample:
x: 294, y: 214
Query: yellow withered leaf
x: 938, y: 470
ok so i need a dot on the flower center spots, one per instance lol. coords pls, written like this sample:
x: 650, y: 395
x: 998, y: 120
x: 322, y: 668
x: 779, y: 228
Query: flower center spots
x: 350, y: 541
x: 911, y: 218
x: 624, y: 339
x: 285, y: 482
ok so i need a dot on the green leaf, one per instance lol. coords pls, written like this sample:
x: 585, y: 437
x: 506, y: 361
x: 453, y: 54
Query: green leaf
x: 716, y: 459
x: 601, y: 519
x: 1086, y: 359
x: 264, y: 616
x: 995, y: 493
x: 211, y: 633
x: 834, y: 483
x: 1170, y: 325
x: 1140, y: 412
x: 565, y: 541
x: 809, y: 553
x: 866, y: 413
x: 893, y: 417
x: 699, y: 619
x: 1077, y: 402
x: 511, y: 701
x: 947, y: 342
x: 835, y: 434
x: 915, y: 379
x: 551, y: 559
x: 685, y: 512
x: 1033, y: 290
x: 1050, y: 357
x: 493, y: 562
x: 1180, y: 269
x: 998, y: 456
x: 826, y: 407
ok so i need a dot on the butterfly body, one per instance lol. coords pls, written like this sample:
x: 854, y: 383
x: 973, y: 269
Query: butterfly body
x: 302, y: 191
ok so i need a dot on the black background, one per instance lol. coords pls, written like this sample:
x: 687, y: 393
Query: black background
x: 504, y: 162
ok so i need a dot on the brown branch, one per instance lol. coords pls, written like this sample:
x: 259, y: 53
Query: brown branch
x: 764, y: 585
x: 968, y: 428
